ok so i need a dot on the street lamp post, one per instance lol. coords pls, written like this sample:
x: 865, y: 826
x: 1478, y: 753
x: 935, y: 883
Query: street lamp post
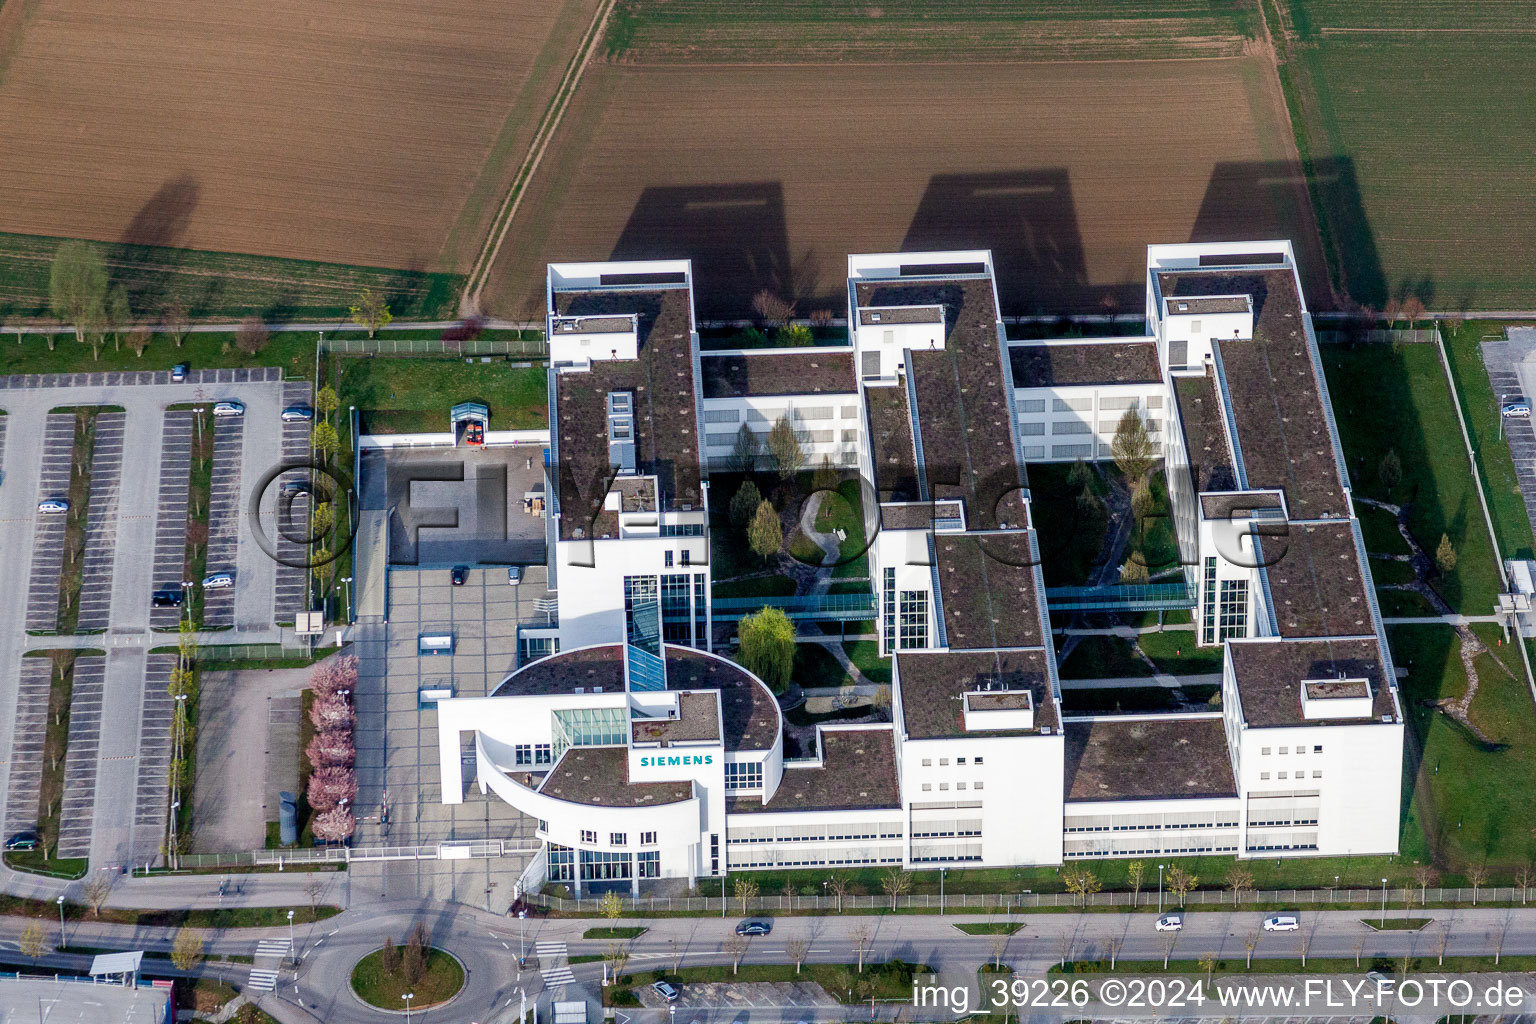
x: 941, y: 890
x: 1159, y: 888
x: 293, y: 954
x: 1383, y: 902
x: 522, y: 924
x: 60, y: 902
x: 408, y: 997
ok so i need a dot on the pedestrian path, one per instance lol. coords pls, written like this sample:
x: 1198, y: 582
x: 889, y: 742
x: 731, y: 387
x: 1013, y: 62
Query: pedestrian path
x: 559, y: 974
x: 270, y: 954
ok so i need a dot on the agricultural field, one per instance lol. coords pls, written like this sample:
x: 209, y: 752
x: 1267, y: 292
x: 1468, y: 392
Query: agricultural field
x: 1419, y: 134
x: 346, y: 132
x: 812, y: 31
x: 769, y: 180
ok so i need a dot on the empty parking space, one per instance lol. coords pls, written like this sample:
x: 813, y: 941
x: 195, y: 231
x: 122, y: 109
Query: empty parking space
x: 224, y: 499
x: 151, y: 799
x: 48, y: 536
x: 171, y: 511
x: 29, y: 730
x: 101, y: 523
x: 292, y: 513
x: 80, y: 758
x: 1510, y: 371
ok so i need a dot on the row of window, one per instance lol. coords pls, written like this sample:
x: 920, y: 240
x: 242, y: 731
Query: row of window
x: 1086, y: 404
x: 1151, y: 828
x: 614, y: 838
x: 959, y: 786
x: 1316, y: 749
x: 847, y: 434
x: 944, y: 761
x: 1317, y: 773
x: 525, y: 754
x: 745, y: 836
x: 1130, y: 851
x: 950, y: 833
x: 811, y: 858
x: 1300, y: 820
x: 744, y: 775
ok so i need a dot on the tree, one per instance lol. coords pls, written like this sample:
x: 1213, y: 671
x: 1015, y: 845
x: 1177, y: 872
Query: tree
x: 611, y: 906
x: 1393, y: 311
x: 1422, y: 874
x: 1079, y: 475
x: 251, y: 336
x: 33, y: 942
x: 820, y: 317
x: 139, y: 340
x: 332, y: 712
x: 174, y: 319
x: 335, y: 825
x: 332, y: 748
x: 1141, y: 499
x: 736, y: 946
x: 1208, y: 965
x: 1413, y: 310
x: 745, y: 890
x: 768, y: 646
x: 1390, y: 471
x: 747, y: 452
x: 1000, y: 948
x: 1180, y: 882
x: 118, y: 314
x: 765, y: 536
x: 896, y: 884
x: 1132, y: 446
x: 797, y: 949
x: 1135, y: 871
x: 825, y: 477
x: 1523, y: 880
x: 187, y: 948
x: 616, y: 956
x: 326, y: 401
x: 860, y: 936
x: 1082, y: 884
x: 370, y: 311
x: 839, y: 886
x: 413, y: 959
x: 323, y: 439
x: 1251, y: 943
x: 314, y: 889
x: 772, y: 309
x: 322, y: 520
x: 795, y: 336
x: 1134, y: 571
x: 77, y: 285
x: 1238, y: 879
x: 328, y: 787
x: 96, y: 890
x: 744, y: 503
x: 1477, y: 875
x: 389, y: 956
x: 784, y: 448
x: 1445, y: 556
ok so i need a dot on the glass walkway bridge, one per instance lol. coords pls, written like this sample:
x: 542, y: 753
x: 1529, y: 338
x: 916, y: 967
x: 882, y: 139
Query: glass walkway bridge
x: 1144, y: 597
x: 809, y: 608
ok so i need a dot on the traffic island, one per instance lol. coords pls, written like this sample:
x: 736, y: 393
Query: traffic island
x: 384, y: 977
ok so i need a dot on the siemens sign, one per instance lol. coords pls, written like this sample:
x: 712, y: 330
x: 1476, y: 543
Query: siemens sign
x: 660, y: 762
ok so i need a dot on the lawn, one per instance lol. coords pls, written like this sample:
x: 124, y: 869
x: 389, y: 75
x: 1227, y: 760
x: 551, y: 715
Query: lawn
x: 1069, y: 520
x: 442, y: 979
x: 816, y: 666
x: 886, y: 981
x: 614, y: 933
x: 1173, y: 651
x: 1396, y: 399
x: 294, y: 351
x: 1469, y: 802
x: 865, y: 654
x: 411, y: 395
x: 1130, y: 699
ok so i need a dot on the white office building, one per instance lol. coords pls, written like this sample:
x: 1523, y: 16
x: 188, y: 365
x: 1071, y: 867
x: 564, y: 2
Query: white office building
x: 643, y: 755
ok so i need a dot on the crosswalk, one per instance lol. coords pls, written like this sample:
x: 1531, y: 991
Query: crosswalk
x: 559, y: 974
x: 264, y: 976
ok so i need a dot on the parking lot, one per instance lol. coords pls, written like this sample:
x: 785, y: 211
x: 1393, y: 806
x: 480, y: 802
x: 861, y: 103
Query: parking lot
x: 1511, y: 367
x: 113, y: 808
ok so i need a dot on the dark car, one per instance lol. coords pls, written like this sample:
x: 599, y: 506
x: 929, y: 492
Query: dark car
x: 755, y: 926
x: 459, y: 574
x: 22, y: 841
x: 166, y: 597
x: 179, y: 372
x: 295, y: 487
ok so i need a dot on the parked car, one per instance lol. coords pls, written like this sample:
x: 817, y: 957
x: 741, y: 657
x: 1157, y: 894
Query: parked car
x: 218, y: 581
x: 514, y: 574
x: 1282, y: 923
x: 167, y: 597
x: 294, y: 413
x: 27, y: 840
x: 179, y: 372
x: 53, y: 506
x: 230, y: 408
x: 459, y: 574
x: 755, y: 926
x: 295, y: 487
x: 666, y: 990
x: 474, y: 434
x: 1170, y: 922
x: 1517, y: 410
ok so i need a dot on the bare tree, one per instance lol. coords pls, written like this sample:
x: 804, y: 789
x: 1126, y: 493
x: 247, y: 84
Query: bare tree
x: 119, y: 314
x: 1238, y: 879
x: 1135, y: 871
x: 1422, y: 874
x: 1306, y: 943
x: 896, y: 883
x: 736, y: 945
x: 1359, y: 948
x: 839, y: 886
x: 675, y: 954
x: 96, y: 891
x: 1112, y: 947
x: 251, y: 336
x: 1064, y: 943
x: 1477, y: 876
x: 1445, y: 940
x: 1180, y: 882
x: 1168, y: 943
x: 1413, y: 310
x: 797, y: 949
x: 1523, y: 880
x: 1393, y: 311
x: 999, y: 948
x: 745, y: 890
x: 772, y: 309
x: 861, y: 937
x: 138, y: 341
x: 174, y: 319
x: 1250, y: 944
x: 314, y: 889
x: 615, y: 957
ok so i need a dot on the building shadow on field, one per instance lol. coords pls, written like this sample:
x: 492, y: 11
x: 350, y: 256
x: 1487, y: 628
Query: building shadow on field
x: 736, y: 235
x: 147, y: 258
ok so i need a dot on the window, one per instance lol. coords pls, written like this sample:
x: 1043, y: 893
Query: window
x: 647, y: 838
x: 617, y: 839
x: 978, y: 761
x: 927, y: 762
x: 943, y: 762
x: 977, y: 784
x: 1265, y: 751
x: 888, y: 609
x: 674, y: 606
x: 721, y: 415
x: 1301, y: 750
x: 1031, y: 405
x: 687, y: 557
x: 1285, y: 750
x: 543, y: 825
x: 1031, y: 429
x: 927, y: 787
x: 1071, y: 427
x: 1208, y: 602
x: 1317, y: 773
x: 1072, y: 404
x: 1071, y: 451
x: 1263, y: 776
x: 543, y: 753
x: 850, y: 412
x: 650, y: 863
x: 532, y: 648
x: 1233, y: 614
x: 743, y: 775
x: 1317, y: 749
x: 588, y: 836
x: 666, y: 559
x: 714, y: 853
x: 522, y: 754
x: 913, y: 625
x: 562, y: 863
x: 850, y: 435
x: 1284, y: 775
x: 959, y: 760
x: 1034, y: 451
x: 1154, y: 401
x: 943, y: 787
x: 682, y: 530
x: 959, y: 785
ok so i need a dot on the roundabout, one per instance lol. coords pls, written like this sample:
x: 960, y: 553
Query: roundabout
x: 384, y: 977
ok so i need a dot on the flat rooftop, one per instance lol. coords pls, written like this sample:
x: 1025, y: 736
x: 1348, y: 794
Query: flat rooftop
x: 933, y: 686
x: 1148, y: 760
x: 1315, y: 581
x: 1269, y: 674
x: 987, y: 589
x: 1199, y: 305
x: 963, y: 413
x: 902, y: 315
x: 1115, y: 361
x: 1205, y: 438
x: 1230, y: 503
x: 919, y: 515
x: 1277, y: 402
x: 890, y: 439
x: 750, y: 714
x: 600, y: 776
x: 858, y: 772
x: 698, y: 719
x: 666, y: 424
x: 777, y: 372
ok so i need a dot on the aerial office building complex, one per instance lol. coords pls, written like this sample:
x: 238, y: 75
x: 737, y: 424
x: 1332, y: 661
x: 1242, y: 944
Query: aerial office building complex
x: 644, y: 755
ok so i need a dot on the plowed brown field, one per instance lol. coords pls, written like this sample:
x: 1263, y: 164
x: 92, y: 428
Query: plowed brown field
x: 358, y: 131
x: 769, y: 177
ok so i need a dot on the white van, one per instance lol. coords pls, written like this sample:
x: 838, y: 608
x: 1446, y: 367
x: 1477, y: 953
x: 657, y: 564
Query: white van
x: 1170, y: 922
x: 230, y: 408
x: 1282, y: 923
x: 1517, y: 410
x: 218, y: 581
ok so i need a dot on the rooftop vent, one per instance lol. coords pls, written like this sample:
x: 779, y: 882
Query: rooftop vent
x: 874, y: 318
